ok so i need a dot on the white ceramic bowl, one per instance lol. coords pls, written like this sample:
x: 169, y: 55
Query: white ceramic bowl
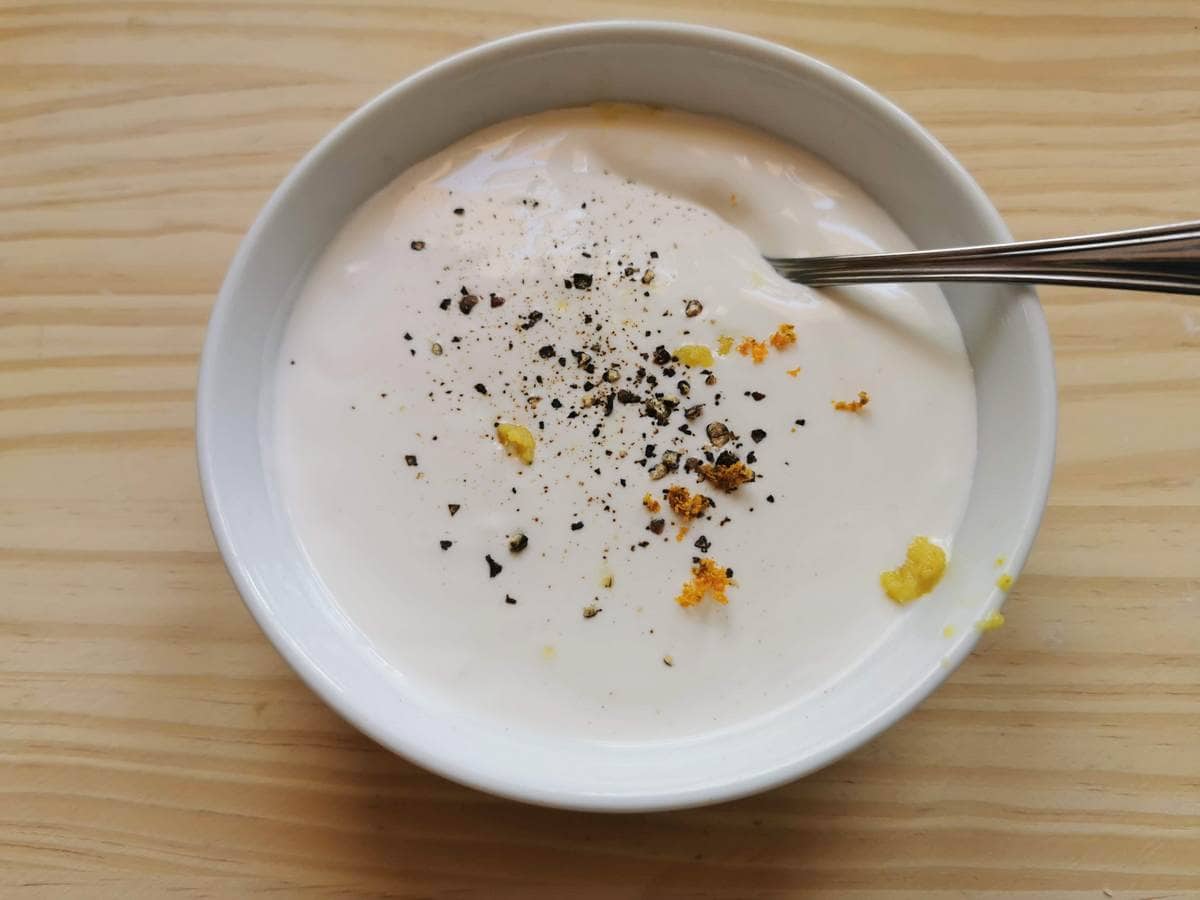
x: 704, y: 71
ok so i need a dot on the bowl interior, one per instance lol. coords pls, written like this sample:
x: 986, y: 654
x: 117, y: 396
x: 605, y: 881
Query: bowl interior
x: 702, y: 71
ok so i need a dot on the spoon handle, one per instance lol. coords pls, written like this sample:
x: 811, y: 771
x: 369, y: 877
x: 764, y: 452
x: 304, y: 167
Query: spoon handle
x: 1164, y: 258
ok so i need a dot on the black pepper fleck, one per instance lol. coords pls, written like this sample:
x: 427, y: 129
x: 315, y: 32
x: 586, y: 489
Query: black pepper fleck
x: 575, y: 526
x: 446, y: 545
x: 494, y: 568
x: 757, y: 435
x: 410, y: 459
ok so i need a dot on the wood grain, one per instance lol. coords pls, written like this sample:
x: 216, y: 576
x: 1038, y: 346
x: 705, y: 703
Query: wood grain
x: 151, y: 741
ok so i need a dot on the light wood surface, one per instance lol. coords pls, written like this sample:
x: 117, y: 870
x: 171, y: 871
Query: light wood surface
x: 152, y: 743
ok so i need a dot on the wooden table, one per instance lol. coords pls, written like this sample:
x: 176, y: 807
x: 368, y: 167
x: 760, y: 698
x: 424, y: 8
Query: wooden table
x: 152, y: 743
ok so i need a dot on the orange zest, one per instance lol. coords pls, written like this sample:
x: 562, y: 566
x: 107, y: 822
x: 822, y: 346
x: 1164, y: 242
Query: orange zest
x: 853, y: 405
x: 707, y: 578
x: 756, y: 350
x: 784, y: 336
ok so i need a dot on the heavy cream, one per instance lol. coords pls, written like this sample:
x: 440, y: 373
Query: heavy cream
x: 541, y: 274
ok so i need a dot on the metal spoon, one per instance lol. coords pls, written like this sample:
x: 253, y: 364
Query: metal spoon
x: 1165, y: 258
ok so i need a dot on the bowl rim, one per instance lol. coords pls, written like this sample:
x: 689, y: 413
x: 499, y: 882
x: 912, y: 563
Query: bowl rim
x: 417, y: 751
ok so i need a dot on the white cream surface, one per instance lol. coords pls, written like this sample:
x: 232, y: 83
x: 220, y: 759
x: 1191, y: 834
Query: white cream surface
x: 597, y: 192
